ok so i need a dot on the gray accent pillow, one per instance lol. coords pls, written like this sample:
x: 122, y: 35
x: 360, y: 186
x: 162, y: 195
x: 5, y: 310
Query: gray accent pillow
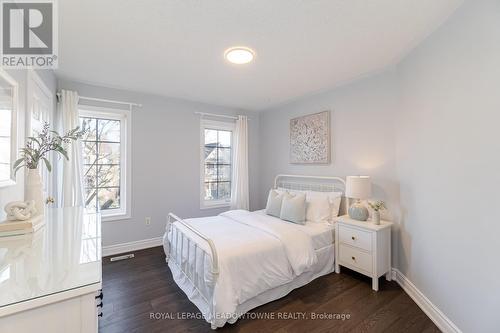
x: 293, y: 208
x: 274, y: 200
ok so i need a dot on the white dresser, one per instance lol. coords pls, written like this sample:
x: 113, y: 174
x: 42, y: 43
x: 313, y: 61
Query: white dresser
x: 363, y: 247
x: 49, y: 280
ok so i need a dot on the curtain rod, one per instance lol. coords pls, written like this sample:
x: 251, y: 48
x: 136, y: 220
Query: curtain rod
x: 216, y: 115
x: 104, y: 100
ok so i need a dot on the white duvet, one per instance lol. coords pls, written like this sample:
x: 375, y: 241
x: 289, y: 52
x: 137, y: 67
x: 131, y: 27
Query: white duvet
x: 256, y: 253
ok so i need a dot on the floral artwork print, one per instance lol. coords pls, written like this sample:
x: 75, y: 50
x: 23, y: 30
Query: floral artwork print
x: 310, y: 139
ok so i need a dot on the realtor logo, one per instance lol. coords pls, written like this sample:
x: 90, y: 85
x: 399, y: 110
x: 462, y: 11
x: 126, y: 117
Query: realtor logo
x: 29, y: 34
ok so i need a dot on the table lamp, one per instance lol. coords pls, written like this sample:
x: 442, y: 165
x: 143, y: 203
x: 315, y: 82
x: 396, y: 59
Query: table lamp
x: 359, y: 188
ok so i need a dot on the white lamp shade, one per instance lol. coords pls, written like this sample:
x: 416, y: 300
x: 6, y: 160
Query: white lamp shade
x: 358, y: 187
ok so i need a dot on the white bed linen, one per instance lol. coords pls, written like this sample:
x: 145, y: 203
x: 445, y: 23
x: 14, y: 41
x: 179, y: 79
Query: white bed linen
x: 257, y: 253
x: 324, y: 266
x: 322, y: 233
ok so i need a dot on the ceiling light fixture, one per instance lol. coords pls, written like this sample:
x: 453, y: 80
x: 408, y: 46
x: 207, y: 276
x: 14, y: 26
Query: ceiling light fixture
x: 239, y: 55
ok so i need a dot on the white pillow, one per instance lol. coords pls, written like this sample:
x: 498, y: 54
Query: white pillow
x: 335, y: 200
x: 322, y: 206
x: 274, y: 201
x: 318, y: 207
x: 293, y: 208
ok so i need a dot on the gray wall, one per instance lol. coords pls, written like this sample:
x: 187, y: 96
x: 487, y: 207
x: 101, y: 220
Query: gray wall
x: 448, y: 145
x: 165, y: 161
x: 16, y: 192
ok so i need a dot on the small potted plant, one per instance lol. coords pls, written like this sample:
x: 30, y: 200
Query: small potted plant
x: 35, y: 152
x: 377, y: 206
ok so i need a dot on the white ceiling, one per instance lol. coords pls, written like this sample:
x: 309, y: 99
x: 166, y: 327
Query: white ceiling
x: 175, y: 48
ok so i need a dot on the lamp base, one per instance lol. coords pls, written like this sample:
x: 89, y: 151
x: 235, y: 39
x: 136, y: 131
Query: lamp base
x: 358, y: 212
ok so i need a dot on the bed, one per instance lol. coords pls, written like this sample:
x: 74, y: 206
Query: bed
x: 236, y: 261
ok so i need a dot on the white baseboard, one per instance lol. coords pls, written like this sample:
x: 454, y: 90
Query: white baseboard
x: 131, y: 246
x: 438, y: 317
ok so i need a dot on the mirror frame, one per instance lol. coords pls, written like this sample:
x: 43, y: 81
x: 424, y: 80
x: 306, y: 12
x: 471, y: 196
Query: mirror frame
x: 14, y: 126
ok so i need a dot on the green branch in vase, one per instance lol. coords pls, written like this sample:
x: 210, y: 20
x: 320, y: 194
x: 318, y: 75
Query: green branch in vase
x: 38, y: 147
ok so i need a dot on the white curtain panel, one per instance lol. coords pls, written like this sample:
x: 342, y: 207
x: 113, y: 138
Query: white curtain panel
x: 71, y: 190
x: 239, y: 187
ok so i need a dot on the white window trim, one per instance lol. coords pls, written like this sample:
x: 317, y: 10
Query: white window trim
x: 125, y: 117
x: 35, y: 81
x: 14, y: 133
x: 216, y: 125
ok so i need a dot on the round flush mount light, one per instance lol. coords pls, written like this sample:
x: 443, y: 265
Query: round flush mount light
x: 239, y: 55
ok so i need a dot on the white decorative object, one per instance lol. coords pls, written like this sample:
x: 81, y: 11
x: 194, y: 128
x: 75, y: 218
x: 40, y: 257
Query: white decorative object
x: 34, y: 190
x: 22, y: 219
x: 310, y: 139
x: 377, y: 206
x: 376, y: 217
x: 20, y: 211
x: 363, y: 247
x: 359, y: 188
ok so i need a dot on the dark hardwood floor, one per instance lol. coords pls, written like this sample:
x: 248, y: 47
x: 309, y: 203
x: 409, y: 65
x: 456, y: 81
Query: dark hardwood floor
x: 138, y: 288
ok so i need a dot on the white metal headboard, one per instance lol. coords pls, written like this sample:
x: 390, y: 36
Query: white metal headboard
x: 312, y: 183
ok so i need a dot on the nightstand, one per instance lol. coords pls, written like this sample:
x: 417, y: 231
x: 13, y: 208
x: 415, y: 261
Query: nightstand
x: 363, y: 247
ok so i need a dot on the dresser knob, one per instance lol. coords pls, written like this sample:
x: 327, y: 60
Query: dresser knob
x: 353, y: 258
x: 353, y: 238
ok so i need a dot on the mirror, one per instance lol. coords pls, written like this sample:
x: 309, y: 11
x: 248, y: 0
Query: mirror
x: 8, y: 128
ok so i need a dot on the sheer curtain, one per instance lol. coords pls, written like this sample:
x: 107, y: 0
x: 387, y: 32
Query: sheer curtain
x: 71, y: 184
x: 239, y: 185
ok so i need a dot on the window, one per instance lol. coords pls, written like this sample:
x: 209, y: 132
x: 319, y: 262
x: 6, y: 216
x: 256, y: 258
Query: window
x: 105, y: 169
x: 216, y: 168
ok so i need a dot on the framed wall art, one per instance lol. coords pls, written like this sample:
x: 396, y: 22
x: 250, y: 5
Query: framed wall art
x: 310, y: 139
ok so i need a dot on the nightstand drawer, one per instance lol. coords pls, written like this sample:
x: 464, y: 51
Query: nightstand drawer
x: 355, y: 237
x: 356, y: 258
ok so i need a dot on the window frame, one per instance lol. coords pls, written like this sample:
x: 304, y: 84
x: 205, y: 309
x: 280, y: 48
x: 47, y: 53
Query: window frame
x: 14, y: 128
x: 35, y: 82
x: 124, y: 116
x: 218, y: 126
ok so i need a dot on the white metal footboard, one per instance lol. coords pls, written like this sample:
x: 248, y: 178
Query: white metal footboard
x: 179, y: 246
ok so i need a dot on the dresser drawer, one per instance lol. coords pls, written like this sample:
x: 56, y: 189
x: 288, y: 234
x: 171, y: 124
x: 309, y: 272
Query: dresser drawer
x: 355, y: 237
x: 356, y: 258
